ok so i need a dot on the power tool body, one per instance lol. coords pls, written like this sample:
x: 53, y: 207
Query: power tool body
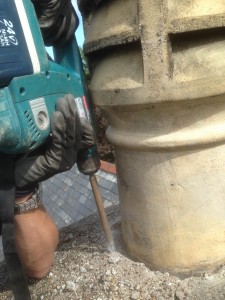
x: 30, y: 81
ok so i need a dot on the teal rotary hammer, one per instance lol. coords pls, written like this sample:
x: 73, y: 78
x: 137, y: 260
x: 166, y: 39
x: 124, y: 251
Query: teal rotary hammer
x: 30, y: 81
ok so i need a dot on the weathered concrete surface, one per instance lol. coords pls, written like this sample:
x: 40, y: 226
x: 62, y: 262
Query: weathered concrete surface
x: 158, y: 72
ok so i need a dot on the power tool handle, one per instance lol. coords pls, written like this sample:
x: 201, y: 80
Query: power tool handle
x: 69, y: 57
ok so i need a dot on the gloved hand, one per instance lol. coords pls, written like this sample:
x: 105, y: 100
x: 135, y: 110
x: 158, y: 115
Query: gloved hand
x: 88, y: 4
x: 88, y: 161
x: 59, y: 155
x: 57, y: 19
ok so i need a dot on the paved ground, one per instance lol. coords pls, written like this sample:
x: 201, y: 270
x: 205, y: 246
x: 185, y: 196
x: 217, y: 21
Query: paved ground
x: 68, y: 196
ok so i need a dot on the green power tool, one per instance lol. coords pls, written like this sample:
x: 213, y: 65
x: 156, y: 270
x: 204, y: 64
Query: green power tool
x: 30, y: 81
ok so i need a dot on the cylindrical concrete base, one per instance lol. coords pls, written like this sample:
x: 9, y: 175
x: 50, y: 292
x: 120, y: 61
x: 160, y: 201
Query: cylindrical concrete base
x: 173, y: 208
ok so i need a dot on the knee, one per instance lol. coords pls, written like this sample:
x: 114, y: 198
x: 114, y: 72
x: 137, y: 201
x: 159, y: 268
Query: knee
x: 37, y: 273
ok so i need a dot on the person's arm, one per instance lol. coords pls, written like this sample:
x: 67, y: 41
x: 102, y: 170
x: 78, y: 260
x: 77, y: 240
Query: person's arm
x: 36, y: 234
x: 57, y: 20
x: 36, y: 238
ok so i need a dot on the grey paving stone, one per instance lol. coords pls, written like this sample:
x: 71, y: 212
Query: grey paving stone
x: 103, y: 182
x: 75, y: 214
x: 76, y: 185
x: 114, y: 189
x: 64, y: 216
x: 91, y: 205
x: 85, y: 191
x: 82, y: 199
x: 69, y: 181
x: 83, y: 181
x: 70, y: 201
x: 56, y: 209
x: 84, y: 211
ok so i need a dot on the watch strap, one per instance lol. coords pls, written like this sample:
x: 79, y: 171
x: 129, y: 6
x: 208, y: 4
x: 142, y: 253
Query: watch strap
x: 30, y: 204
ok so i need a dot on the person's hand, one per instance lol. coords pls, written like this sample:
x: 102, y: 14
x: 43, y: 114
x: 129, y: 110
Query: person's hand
x: 57, y: 20
x: 60, y: 153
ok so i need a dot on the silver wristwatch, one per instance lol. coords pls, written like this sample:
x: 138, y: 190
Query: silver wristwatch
x: 30, y: 204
